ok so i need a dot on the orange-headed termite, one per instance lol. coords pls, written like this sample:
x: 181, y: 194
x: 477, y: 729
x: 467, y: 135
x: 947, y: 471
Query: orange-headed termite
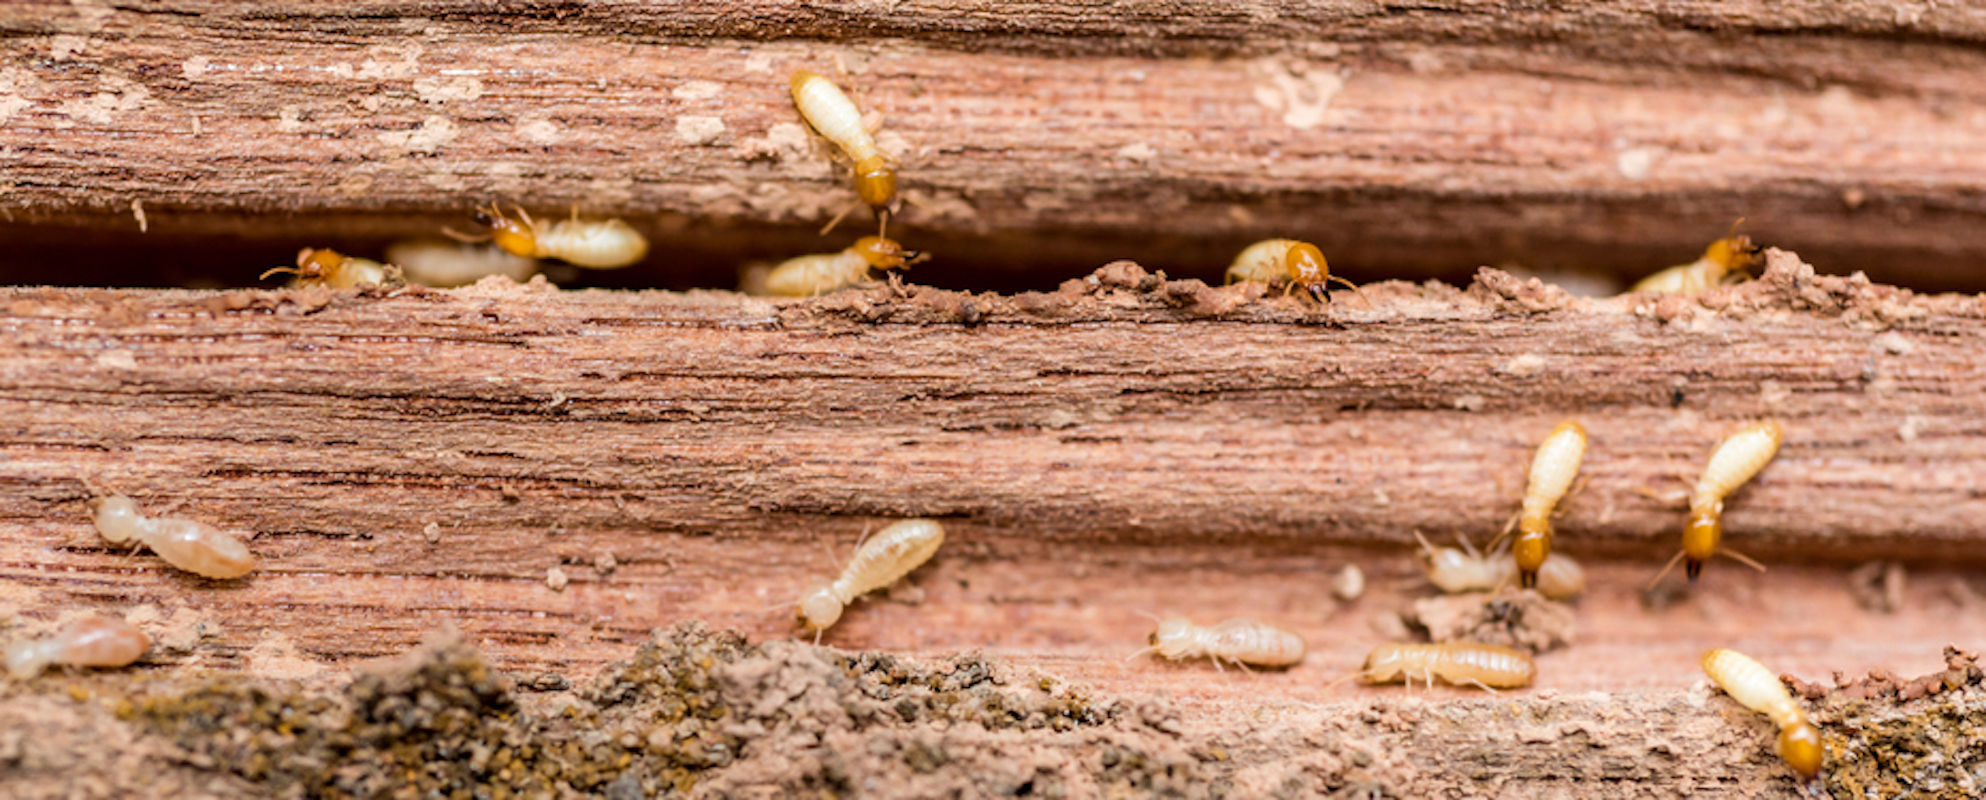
x: 196, y: 547
x: 1739, y: 457
x: 1485, y: 666
x: 880, y: 561
x: 1291, y: 263
x: 1552, y: 472
x: 1731, y: 255
x: 443, y: 264
x: 88, y: 642
x: 1464, y: 570
x: 807, y: 276
x: 596, y: 244
x: 828, y: 111
x: 332, y: 269
x: 1242, y: 642
x: 1756, y: 688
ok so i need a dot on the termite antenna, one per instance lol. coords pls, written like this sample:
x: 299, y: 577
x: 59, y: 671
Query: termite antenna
x: 1141, y: 652
x: 837, y: 218
x: 465, y: 238
x: 1742, y: 558
x: 1665, y: 570
x: 275, y: 270
x: 1355, y: 288
x: 1148, y: 615
x: 1346, y: 679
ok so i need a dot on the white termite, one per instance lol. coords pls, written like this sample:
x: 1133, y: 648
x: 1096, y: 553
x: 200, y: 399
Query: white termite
x: 196, y: 547
x: 88, y: 642
x: 813, y: 275
x: 1758, y: 689
x: 595, y: 244
x: 829, y: 111
x: 1456, y: 570
x: 1737, y: 459
x: 881, y: 560
x: 1239, y: 641
x: 443, y: 264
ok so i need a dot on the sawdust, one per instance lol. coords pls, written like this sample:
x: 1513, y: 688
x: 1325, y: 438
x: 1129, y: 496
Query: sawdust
x: 1524, y: 620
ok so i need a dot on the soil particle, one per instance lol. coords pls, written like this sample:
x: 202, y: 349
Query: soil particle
x: 1524, y: 620
x: 1888, y: 736
x: 1513, y: 295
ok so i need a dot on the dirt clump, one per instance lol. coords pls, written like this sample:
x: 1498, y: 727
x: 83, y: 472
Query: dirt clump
x: 1524, y: 620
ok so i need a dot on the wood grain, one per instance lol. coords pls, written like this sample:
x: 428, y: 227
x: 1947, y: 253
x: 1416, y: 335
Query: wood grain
x: 1608, y: 137
x: 417, y: 455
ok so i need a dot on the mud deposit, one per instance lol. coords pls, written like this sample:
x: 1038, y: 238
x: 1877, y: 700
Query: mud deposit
x: 703, y: 714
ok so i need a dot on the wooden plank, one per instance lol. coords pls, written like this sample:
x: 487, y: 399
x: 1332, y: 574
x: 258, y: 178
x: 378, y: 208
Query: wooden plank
x: 1588, y: 135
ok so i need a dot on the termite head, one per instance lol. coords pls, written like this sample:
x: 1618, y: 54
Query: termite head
x: 1800, y: 745
x: 1531, y: 547
x: 875, y: 182
x: 886, y: 254
x: 312, y: 265
x: 1700, y: 538
x: 116, y: 517
x: 1384, y: 664
x: 1734, y: 252
x: 515, y: 236
x: 1308, y: 269
x: 1173, y: 638
x: 820, y: 609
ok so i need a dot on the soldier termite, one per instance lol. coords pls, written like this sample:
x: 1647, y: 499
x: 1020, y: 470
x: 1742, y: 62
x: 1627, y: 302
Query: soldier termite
x: 1552, y: 472
x: 1731, y: 255
x: 1485, y: 666
x: 444, y: 264
x: 881, y: 560
x: 1464, y: 570
x: 808, y: 276
x: 1756, y: 688
x: 1242, y: 642
x: 1736, y: 460
x: 332, y: 269
x: 196, y: 547
x: 595, y: 244
x: 88, y: 642
x: 829, y: 112
x: 1291, y: 263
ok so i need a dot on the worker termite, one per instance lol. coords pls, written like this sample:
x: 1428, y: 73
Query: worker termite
x: 881, y: 560
x: 595, y: 244
x: 1485, y: 666
x: 1736, y: 460
x: 1242, y: 642
x: 1731, y: 255
x: 829, y: 112
x: 332, y: 269
x: 808, y: 276
x: 196, y: 547
x: 1290, y: 263
x: 1464, y: 570
x: 1552, y: 472
x: 443, y: 264
x: 1756, y: 688
x: 88, y: 642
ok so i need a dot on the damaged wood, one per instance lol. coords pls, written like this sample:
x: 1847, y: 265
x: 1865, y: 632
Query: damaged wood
x: 1587, y: 135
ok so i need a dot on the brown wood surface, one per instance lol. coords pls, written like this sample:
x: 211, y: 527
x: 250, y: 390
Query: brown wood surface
x: 1613, y: 136
x: 424, y: 455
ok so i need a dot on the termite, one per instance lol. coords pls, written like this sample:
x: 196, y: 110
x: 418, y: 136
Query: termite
x: 332, y: 269
x: 1291, y: 263
x: 88, y: 642
x: 444, y: 264
x: 1484, y: 666
x: 1239, y: 641
x: 196, y: 547
x: 829, y: 112
x: 1756, y: 688
x: 808, y: 276
x: 596, y: 244
x: 1552, y: 472
x: 881, y: 560
x: 1464, y: 570
x: 1736, y: 460
x: 1731, y: 255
